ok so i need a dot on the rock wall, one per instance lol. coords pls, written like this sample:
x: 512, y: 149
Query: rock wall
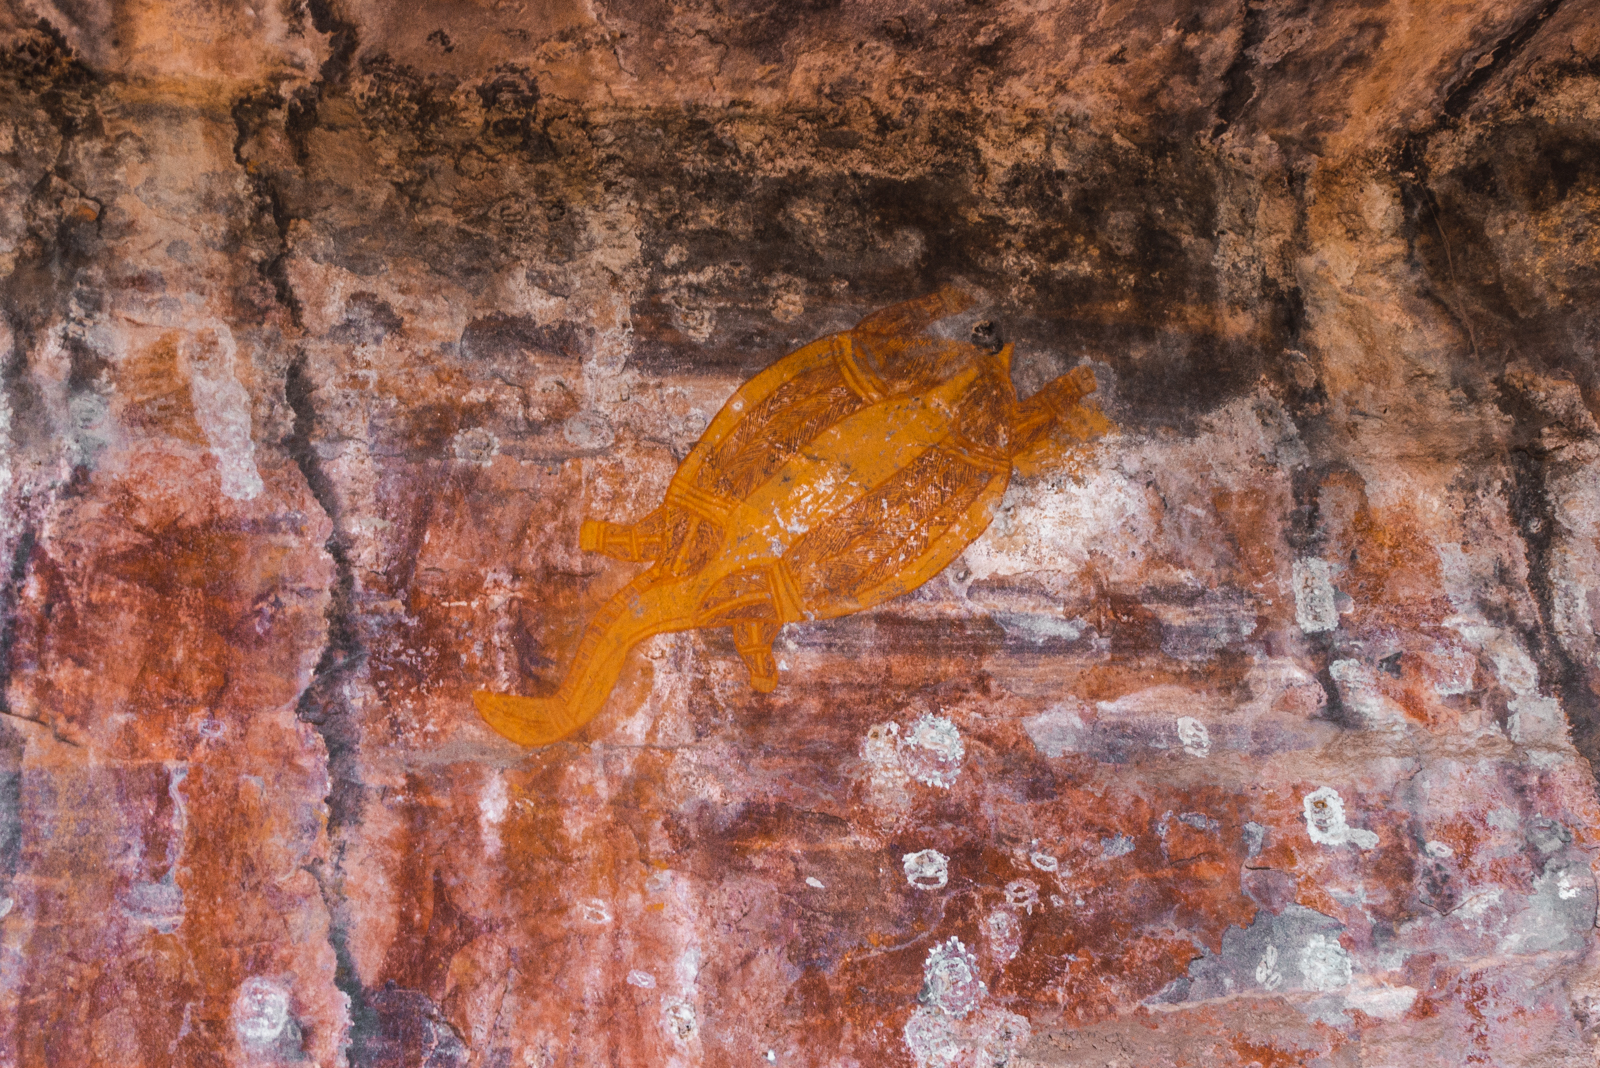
x: 1253, y: 734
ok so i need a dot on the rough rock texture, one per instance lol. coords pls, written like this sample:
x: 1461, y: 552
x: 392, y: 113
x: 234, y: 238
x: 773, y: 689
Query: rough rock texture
x: 1254, y: 735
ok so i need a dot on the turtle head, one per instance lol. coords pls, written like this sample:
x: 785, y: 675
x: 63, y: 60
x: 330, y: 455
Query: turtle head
x: 986, y: 336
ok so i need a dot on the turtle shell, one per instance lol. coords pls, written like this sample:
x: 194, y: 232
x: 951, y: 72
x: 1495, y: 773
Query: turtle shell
x: 848, y: 473
x: 906, y: 526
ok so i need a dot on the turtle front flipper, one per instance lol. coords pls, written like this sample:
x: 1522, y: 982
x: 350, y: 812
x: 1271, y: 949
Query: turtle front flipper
x: 645, y: 607
x: 641, y: 542
x: 754, y: 642
x: 911, y: 316
x: 1061, y: 403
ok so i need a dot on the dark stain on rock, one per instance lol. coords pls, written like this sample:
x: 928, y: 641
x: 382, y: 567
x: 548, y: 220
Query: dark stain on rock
x: 514, y: 339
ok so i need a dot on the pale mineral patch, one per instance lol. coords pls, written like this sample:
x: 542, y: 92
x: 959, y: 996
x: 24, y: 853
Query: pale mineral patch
x: 222, y: 408
x: 260, y: 1011
x: 1315, y: 608
x: 1194, y: 737
x: 927, y: 870
x: 931, y: 751
x: 1325, y: 821
x: 1325, y: 964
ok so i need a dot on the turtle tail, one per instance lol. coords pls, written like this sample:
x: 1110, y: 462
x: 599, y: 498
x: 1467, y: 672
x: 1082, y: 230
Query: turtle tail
x: 526, y: 720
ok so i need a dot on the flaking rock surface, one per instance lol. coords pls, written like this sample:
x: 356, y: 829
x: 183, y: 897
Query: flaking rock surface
x: 1257, y: 733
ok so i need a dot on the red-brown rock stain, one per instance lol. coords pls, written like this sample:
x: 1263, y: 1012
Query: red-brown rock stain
x: 152, y: 395
x: 1268, y: 1055
x: 1252, y: 522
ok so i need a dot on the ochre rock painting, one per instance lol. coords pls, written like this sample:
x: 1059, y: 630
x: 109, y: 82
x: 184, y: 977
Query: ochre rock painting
x: 1258, y: 732
x: 846, y: 474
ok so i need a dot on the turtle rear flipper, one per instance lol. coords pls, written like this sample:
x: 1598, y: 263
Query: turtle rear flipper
x: 754, y: 642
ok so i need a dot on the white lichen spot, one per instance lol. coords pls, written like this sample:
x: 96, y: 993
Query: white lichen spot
x: 641, y: 979
x: 475, y: 446
x: 260, y: 1011
x: 954, y: 1027
x: 1316, y: 608
x: 950, y: 983
x: 1118, y: 845
x: 1194, y: 737
x: 1022, y: 894
x: 814, y: 882
x: 1438, y: 850
x: 1043, y: 861
x: 1325, y: 821
x: 931, y: 751
x: 1566, y: 889
x: 1267, y: 973
x: 927, y: 870
x: 788, y: 307
x: 594, y: 911
x: 1325, y: 964
x: 680, y: 1019
x: 1004, y: 933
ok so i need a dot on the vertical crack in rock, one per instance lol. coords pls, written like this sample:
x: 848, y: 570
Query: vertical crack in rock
x: 38, y: 292
x: 1239, y: 78
x: 1534, y: 512
x: 1411, y: 164
x: 1494, y: 61
x: 324, y: 705
x: 321, y: 704
x: 250, y: 113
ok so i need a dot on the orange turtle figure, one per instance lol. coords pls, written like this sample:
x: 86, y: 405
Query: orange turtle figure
x: 846, y: 474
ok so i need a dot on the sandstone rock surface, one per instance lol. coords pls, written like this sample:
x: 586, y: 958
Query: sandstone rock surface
x: 1259, y: 733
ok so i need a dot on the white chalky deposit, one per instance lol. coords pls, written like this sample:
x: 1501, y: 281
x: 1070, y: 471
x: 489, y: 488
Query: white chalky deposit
x: 1325, y: 821
x: 1325, y: 964
x: 1193, y: 736
x: 1315, y: 605
x: 260, y: 1011
x: 950, y: 983
x: 931, y: 751
x: 927, y: 870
